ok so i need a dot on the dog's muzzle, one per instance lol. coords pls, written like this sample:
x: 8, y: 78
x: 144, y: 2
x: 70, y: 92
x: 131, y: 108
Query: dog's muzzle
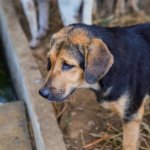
x: 52, y: 94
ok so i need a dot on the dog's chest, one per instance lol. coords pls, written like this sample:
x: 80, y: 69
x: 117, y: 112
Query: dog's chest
x: 117, y: 105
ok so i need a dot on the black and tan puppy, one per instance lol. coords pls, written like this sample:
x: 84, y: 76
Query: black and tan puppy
x: 113, y: 62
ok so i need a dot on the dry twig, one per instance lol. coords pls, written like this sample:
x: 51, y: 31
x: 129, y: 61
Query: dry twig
x: 62, y: 111
x: 106, y: 136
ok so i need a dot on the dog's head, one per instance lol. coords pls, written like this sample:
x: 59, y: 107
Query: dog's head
x: 76, y: 59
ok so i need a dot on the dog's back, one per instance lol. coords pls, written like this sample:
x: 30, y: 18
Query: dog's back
x: 143, y: 30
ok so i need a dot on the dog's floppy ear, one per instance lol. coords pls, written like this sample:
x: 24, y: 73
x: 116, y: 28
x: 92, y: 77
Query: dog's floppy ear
x: 98, y: 60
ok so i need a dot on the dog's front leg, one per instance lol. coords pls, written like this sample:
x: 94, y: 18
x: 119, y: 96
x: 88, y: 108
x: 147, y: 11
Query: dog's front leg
x: 133, y: 4
x: 69, y: 10
x: 120, y: 7
x: 30, y: 12
x: 87, y: 11
x: 131, y: 131
x: 43, y: 9
x: 131, y: 135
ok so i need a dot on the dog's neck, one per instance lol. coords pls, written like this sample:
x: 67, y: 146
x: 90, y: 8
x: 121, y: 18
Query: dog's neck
x: 110, y: 87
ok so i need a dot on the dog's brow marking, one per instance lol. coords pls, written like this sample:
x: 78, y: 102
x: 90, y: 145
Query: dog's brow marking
x: 74, y: 52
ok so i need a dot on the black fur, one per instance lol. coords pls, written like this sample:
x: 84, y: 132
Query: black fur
x: 130, y: 72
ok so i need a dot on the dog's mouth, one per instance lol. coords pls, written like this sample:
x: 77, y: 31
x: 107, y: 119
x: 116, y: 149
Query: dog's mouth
x: 58, y: 96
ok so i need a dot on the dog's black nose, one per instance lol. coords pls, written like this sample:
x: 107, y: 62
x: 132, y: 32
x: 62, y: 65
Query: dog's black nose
x: 45, y: 92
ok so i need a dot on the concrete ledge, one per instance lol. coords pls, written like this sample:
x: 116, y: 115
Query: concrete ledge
x: 25, y: 73
x: 13, y: 127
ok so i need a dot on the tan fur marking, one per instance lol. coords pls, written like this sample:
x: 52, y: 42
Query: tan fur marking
x: 59, y: 37
x: 131, y: 135
x: 117, y: 106
x: 131, y: 130
x: 79, y: 36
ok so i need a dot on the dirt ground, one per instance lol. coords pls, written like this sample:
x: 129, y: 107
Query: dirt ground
x: 84, y: 123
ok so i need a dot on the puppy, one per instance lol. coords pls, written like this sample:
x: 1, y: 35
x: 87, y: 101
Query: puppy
x: 113, y: 62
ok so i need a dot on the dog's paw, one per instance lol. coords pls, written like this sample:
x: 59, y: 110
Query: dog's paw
x: 34, y: 43
x: 42, y: 33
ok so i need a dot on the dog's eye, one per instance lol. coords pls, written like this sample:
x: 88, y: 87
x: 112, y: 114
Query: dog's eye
x: 66, y: 66
x: 48, y: 64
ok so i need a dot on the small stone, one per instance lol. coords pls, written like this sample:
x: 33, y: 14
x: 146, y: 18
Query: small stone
x: 96, y: 128
x: 81, y: 131
x: 73, y: 113
x: 74, y: 134
x: 91, y: 123
x: 80, y: 108
x: 76, y: 142
x: 98, y: 114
